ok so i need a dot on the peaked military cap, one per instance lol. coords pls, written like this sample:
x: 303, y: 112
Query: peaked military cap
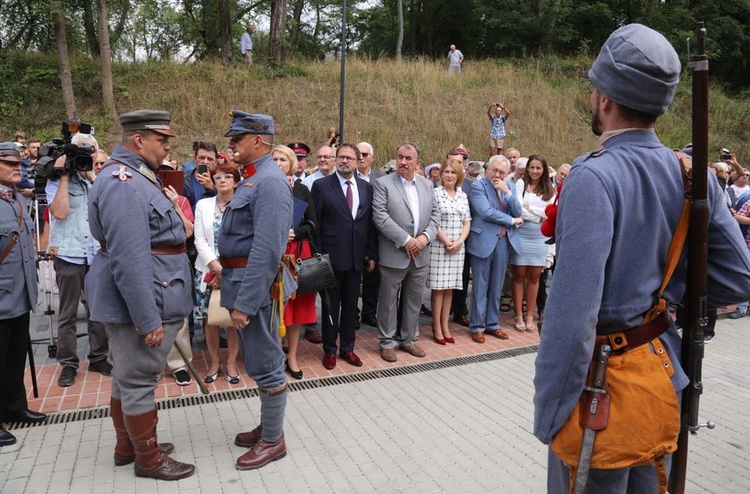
x: 300, y: 149
x: 249, y: 123
x: 9, y: 152
x: 153, y: 120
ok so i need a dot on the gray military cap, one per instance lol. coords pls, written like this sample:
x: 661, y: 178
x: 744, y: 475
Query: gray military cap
x: 638, y: 68
x: 153, y: 120
x: 249, y: 123
x: 9, y: 152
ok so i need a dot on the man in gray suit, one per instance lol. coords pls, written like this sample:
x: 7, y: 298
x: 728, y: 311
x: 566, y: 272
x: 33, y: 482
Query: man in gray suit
x: 406, y: 217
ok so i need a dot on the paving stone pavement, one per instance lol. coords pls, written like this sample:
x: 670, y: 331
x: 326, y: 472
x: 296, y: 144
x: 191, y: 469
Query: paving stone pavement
x: 458, y: 429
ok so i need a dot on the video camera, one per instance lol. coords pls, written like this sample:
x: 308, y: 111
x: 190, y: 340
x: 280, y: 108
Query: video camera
x: 78, y: 158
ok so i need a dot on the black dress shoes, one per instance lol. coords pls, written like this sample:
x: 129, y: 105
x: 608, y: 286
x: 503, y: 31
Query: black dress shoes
x: 425, y: 311
x: 26, y: 417
x: 6, y: 438
x: 370, y: 321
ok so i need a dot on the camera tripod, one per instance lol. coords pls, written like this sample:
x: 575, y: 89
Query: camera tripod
x: 46, y: 275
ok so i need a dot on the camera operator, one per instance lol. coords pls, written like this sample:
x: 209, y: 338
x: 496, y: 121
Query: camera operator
x: 71, y: 245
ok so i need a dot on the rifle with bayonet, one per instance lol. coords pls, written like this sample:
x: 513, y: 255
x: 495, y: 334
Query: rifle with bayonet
x: 695, y: 295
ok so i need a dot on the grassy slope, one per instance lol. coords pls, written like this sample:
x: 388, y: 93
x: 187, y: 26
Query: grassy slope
x: 386, y: 103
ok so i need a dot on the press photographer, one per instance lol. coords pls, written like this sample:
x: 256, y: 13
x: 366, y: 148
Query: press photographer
x: 69, y: 179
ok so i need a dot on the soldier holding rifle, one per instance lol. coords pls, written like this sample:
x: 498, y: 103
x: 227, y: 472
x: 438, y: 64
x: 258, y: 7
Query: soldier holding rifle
x: 612, y: 249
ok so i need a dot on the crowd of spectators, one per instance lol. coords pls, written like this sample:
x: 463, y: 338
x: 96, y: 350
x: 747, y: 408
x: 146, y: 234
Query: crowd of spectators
x: 391, y: 232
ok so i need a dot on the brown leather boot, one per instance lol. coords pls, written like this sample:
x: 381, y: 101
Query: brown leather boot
x: 262, y: 454
x: 150, y: 460
x: 248, y: 439
x: 124, y: 452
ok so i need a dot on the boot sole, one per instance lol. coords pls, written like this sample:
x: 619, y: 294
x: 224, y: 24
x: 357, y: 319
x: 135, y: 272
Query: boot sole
x: 255, y: 467
x: 176, y: 477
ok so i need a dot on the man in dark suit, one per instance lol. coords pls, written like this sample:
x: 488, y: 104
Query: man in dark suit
x: 371, y: 280
x: 343, y: 206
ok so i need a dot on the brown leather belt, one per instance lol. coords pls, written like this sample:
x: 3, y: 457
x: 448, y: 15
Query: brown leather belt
x: 233, y: 262
x: 161, y: 250
x: 635, y: 337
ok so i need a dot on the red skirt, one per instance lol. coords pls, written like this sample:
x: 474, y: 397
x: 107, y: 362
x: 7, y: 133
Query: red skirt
x: 301, y: 310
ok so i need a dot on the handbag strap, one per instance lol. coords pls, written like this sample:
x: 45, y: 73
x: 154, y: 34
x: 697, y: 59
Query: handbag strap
x: 678, y: 239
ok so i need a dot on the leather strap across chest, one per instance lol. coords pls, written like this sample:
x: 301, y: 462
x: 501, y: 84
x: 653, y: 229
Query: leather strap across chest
x: 14, y: 240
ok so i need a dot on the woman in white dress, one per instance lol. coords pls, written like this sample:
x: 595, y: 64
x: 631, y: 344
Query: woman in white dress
x: 535, y: 192
x: 447, y: 253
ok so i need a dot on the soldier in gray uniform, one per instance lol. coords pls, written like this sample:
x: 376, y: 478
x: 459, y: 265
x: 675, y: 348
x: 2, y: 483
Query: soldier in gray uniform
x: 253, y: 237
x: 139, y: 286
x: 18, y: 293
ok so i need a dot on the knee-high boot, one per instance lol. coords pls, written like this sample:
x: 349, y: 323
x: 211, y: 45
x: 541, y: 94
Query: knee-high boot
x: 124, y: 452
x: 150, y: 460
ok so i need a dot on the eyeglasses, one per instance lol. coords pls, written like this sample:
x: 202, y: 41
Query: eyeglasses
x: 225, y: 176
x: 325, y: 156
x: 365, y: 155
x: 347, y: 158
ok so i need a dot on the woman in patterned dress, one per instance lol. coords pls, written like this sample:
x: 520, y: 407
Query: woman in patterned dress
x: 208, y: 215
x: 447, y: 254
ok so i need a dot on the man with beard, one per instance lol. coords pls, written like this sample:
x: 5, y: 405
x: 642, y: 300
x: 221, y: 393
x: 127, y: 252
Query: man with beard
x: 607, y: 279
x: 139, y: 286
x: 343, y: 207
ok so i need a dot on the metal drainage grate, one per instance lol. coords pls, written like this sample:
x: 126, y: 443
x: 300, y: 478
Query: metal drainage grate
x: 304, y: 385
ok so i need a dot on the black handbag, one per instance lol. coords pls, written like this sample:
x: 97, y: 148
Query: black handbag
x: 314, y: 274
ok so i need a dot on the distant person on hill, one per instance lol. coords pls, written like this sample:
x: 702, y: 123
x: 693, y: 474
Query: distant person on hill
x: 498, y: 114
x: 455, y: 57
x: 246, y: 45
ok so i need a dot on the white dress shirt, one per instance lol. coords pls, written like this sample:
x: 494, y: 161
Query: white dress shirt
x: 355, y: 192
x: 411, y: 193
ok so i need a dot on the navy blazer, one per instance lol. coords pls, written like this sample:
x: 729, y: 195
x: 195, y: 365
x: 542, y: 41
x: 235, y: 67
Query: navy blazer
x: 347, y: 241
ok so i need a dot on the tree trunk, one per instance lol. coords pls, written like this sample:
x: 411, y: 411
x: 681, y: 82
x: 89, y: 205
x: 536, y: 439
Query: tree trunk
x: 63, y: 60
x: 225, y: 30
x: 120, y: 26
x: 276, y: 36
x: 108, y: 93
x: 299, y: 5
x: 400, y: 39
x: 90, y: 29
x: 650, y: 11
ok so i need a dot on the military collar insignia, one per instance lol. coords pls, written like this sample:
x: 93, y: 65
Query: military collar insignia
x: 249, y: 170
x: 122, y: 173
x: 147, y: 172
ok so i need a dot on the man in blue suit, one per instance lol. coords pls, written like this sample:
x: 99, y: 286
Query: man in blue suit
x: 343, y: 207
x: 495, y: 215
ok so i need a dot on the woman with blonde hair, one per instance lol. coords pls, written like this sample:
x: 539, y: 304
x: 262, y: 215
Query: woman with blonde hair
x: 447, y: 254
x: 301, y: 310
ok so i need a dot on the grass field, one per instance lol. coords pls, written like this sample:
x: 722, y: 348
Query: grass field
x: 386, y: 103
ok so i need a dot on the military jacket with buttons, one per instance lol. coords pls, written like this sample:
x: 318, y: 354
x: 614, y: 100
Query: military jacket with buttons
x: 128, y: 214
x: 18, y: 286
x: 255, y: 226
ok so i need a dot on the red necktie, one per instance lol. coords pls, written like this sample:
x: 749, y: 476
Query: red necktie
x: 349, y: 196
x: 503, y: 230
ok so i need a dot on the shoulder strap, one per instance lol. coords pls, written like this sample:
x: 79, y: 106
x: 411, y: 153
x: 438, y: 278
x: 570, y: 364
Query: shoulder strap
x: 14, y: 240
x: 680, y: 235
